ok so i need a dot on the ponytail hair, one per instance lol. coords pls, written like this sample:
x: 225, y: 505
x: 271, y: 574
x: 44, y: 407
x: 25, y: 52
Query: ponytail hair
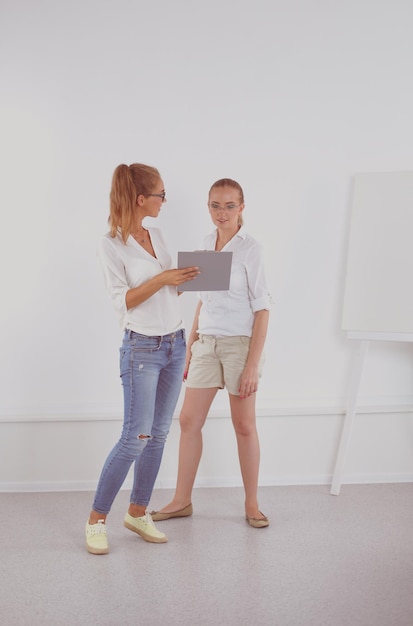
x: 229, y: 182
x: 129, y: 182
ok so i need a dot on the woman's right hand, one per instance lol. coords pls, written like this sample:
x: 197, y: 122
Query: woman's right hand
x: 187, y: 362
x: 136, y: 295
x: 178, y: 276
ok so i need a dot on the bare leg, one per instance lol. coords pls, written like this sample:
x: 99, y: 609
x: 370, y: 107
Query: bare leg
x: 194, y: 412
x: 136, y: 510
x: 243, y: 418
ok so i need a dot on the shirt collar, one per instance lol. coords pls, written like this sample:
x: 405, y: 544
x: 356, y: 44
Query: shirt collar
x: 241, y: 233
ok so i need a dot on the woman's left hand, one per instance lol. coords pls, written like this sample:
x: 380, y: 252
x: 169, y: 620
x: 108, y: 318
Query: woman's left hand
x: 248, y: 382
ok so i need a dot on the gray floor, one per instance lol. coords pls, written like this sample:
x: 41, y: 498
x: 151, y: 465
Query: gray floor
x: 325, y: 561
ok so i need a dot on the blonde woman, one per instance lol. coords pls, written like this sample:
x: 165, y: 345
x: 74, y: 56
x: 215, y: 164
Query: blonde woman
x: 225, y: 349
x: 143, y: 287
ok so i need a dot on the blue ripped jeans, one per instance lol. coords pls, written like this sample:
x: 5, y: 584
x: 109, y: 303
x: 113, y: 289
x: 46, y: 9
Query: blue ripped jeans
x: 151, y: 370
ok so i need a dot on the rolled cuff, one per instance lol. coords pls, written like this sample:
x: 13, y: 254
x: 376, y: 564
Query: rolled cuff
x: 261, y: 303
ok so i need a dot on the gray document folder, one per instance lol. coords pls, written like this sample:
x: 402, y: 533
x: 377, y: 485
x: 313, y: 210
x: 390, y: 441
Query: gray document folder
x: 215, y: 268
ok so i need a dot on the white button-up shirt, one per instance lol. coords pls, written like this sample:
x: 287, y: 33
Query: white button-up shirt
x: 231, y: 312
x: 129, y: 265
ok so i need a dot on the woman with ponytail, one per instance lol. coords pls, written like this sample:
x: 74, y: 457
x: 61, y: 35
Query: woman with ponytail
x: 143, y: 286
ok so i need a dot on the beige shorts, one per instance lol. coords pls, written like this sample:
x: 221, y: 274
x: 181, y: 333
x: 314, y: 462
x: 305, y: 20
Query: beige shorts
x: 219, y: 362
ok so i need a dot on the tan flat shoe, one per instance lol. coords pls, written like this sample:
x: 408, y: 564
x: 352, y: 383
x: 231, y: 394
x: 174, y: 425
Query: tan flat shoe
x: 258, y: 522
x: 157, y: 516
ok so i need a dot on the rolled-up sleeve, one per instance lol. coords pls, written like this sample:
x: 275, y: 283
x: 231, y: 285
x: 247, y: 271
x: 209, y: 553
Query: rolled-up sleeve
x: 260, y: 298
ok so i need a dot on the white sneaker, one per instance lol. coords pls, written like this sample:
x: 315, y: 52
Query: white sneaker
x: 145, y: 527
x: 96, y: 538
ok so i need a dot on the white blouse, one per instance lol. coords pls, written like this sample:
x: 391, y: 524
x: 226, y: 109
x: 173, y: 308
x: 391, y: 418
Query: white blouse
x: 129, y: 265
x: 231, y: 312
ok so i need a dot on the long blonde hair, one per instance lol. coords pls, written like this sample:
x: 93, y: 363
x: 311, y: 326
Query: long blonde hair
x: 129, y: 182
x: 229, y: 182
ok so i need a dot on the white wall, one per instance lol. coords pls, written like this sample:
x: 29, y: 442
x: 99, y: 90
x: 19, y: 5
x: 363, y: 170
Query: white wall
x: 291, y: 99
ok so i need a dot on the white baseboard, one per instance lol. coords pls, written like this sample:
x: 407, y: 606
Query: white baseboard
x: 291, y: 480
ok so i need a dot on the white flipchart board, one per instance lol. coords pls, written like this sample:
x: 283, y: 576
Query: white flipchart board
x: 378, y: 288
x: 378, y: 296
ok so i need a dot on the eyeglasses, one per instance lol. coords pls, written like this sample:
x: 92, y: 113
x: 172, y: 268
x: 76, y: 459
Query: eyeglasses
x: 231, y: 206
x: 158, y: 195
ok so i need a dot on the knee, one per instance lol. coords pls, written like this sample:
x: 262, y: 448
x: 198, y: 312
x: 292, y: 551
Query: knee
x: 245, y: 429
x: 184, y: 421
x: 134, y: 447
x: 189, y: 423
x: 156, y: 439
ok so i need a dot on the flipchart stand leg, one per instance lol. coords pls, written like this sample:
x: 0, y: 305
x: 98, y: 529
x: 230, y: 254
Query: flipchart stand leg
x: 349, y: 416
